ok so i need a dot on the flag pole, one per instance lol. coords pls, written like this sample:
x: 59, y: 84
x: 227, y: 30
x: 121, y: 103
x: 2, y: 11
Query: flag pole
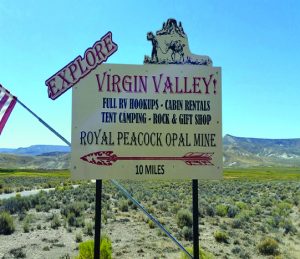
x: 45, y: 124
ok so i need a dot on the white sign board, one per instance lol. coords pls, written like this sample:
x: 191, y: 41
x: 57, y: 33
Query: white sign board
x: 147, y: 122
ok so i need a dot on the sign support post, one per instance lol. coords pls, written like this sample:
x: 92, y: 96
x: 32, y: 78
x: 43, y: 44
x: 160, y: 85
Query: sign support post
x: 195, y: 219
x: 97, y: 236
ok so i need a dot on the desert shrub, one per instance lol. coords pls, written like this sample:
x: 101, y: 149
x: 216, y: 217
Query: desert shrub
x: 187, y: 233
x: 86, y: 249
x: 133, y: 206
x: 203, y: 254
x: 26, y: 227
x: 151, y: 209
x: 268, y: 246
x: 71, y: 219
x: 88, y: 230
x: 296, y: 199
x: 106, y: 248
x: 77, y: 208
x: 274, y: 221
x: 17, y: 252
x: 221, y: 237
x: 160, y: 233
x: 151, y: 224
x: 266, y: 201
x: 288, y: 227
x: 27, y: 222
x: 55, y: 222
x: 22, y: 215
x: 184, y: 218
x: 246, y: 215
x: 17, y: 204
x: 7, y: 190
x: 175, y: 208
x: 283, y: 209
x: 241, y: 205
x: 74, y: 221
x: 236, y: 250
x: 221, y: 210
x: 232, y: 211
x: 210, y: 211
x: 123, y: 205
x: 163, y: 206
x: 78, y: 237
x: 237, y: 223
x: 245, y: 255
x: 6, y: 224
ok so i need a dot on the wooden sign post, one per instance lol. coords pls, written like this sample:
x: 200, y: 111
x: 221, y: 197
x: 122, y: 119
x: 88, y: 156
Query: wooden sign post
x: 195, y: 219
x: 98, y: 206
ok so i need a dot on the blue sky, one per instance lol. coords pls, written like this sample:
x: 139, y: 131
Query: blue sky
x: 255, y: 42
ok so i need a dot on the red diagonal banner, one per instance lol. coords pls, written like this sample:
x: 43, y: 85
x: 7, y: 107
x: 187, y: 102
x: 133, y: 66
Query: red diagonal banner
x: 107, y: 158
x: 80, y: 67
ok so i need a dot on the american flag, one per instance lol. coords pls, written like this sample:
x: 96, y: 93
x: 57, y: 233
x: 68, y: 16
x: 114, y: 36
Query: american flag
x: 7, y: 103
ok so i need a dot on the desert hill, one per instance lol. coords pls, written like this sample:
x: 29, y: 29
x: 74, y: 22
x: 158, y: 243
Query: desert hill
x: 237, y: 152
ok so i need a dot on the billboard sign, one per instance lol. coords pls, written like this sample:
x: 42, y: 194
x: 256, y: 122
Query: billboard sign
x: 150, y: 121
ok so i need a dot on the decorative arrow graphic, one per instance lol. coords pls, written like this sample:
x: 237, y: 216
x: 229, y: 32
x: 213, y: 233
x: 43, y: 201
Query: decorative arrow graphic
x: 107, y: 158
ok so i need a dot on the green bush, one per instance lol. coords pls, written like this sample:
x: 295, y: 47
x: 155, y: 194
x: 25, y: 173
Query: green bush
x: 6, y: 224
x: 237, y: 223
x: 151, y: 224
x: 221, y: 237
x: 27, y: 222
x: 17, y: 204
x: 55, y: 222
x: 283, y: 209
x: 288, y: 227
x: 18, y: 252
x: 89, y: 229
x: 78, y: 237
x: 246, y: 215
x: 75, y: 221
x: 221, y: 210
x: 187, y: 233
x: 26, y: 227
x: 210, y: 211
x: 184, y: 218
x: 241, y: 205
x: 86, y: 249
x: 232, y: 211
x: 71, y: 218
x: 123, y: 205
x: 203, y: 254
x: 268, y: 246
x: 274, y: 221
x: 76, y: 208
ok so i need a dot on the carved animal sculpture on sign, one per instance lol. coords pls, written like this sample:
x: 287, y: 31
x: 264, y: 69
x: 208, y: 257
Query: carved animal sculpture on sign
x: 170, y: 46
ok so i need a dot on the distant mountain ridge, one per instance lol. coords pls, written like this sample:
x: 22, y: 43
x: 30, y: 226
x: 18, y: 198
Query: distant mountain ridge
x: 237, y: 152
x: 36, y: 150
x: 246, y: 152
x: 11, y: 161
